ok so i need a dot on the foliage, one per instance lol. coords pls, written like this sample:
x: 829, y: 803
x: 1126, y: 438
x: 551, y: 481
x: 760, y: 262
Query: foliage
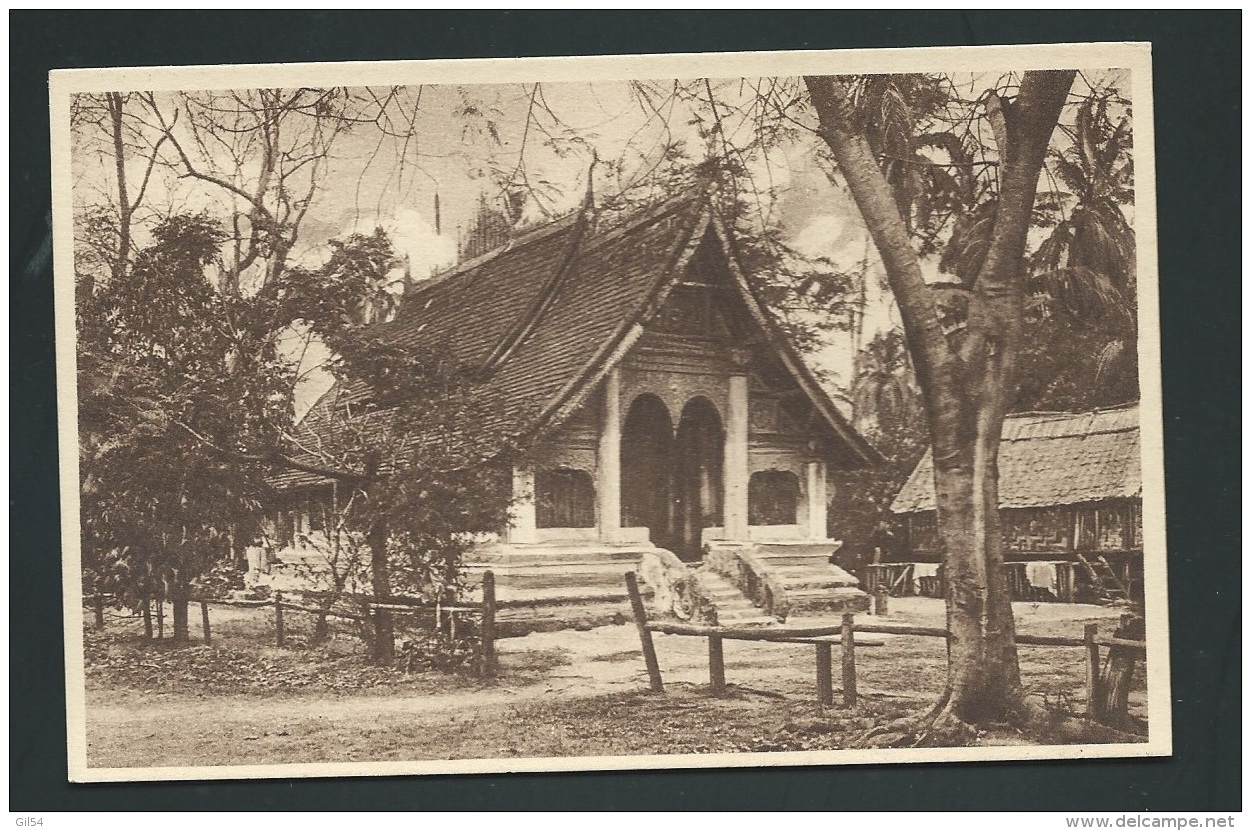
x: 185, y: 398
x: 927, y: 162
x: 884, y: 391
x: 413, y: 448
x: 1082, y: 312
x: 887, y: 410
x: 218, y: 581
x: 418, y: 440
x: 159, y: 503
x: 425, y: 649
x: 1073, y: 365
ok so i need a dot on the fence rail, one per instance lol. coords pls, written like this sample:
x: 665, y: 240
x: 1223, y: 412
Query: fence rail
x: 843, y: 634
x: 486, y: 610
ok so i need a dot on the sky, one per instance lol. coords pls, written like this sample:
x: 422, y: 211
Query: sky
x: 464, y: 140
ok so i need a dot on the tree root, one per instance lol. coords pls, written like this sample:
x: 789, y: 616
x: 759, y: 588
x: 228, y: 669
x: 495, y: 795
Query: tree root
x: 939, y: 726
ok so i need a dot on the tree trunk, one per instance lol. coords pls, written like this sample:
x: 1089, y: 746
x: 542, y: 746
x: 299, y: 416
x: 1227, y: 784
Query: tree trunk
x: 983, y: 676
x: 124, y: 209
x: 147, y: 614
x: 238, y: 550
x: 1119, y: 676
x: 965, y: 381
x: 179, y: 599
x: 380, y: 575
x: 321, y: 629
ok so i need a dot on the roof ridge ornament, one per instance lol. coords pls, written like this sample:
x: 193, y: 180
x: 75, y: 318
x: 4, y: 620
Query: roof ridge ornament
x: 584, y: 223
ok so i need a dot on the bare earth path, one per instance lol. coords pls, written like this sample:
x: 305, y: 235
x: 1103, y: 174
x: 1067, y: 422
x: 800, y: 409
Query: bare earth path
x: 561, y: 693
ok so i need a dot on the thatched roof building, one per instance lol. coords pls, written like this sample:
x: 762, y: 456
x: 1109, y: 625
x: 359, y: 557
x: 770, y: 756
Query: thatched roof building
x: 1050, y: 459
x: 1070, y: 488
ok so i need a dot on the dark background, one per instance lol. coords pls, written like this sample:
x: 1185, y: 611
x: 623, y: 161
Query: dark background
x: 1198, y: 157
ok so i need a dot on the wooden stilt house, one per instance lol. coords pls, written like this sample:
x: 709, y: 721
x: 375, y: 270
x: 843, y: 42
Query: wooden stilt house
x: 1070, y: 487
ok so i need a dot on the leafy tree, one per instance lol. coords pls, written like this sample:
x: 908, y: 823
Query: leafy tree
x: 966, y: 372
x: 405, y: 436
x: 159, y: 499
x: 884, y: 389
x: 1082, y: 312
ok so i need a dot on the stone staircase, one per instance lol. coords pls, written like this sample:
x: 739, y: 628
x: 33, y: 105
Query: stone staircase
x: 553, y: 587
x: 789, y: 579
x: 813, y: 584
x: 550, y: 586
x: 730, y: 607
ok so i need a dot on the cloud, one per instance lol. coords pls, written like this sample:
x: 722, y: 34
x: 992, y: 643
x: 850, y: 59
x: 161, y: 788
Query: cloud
x: 413, y: 235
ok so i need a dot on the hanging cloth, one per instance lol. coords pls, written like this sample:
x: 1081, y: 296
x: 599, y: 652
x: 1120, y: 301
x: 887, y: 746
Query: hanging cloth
x: 1043, y: 576
x: 920, y: 570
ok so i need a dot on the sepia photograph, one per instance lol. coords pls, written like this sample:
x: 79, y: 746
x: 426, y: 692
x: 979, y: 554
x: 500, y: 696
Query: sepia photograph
x: 664, y: 411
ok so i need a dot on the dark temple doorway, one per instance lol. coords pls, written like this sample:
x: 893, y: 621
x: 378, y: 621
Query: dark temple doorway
x: 671, y: 480
x: 697, y: 482
x: 646, y: 458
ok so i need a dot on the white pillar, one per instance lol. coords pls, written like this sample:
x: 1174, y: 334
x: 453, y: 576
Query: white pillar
x: 735, y: 465
x: 816, y: 501
x: 608, y: 461
x: 523, y: 527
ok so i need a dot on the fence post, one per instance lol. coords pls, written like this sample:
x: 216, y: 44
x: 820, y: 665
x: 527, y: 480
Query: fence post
x: 849, y: 660
x: 645, y: 634
x: 1093, y: 697
x: 280, y: 635
x: 208, y: 637
x: 880, y: 602
x: 371, y: 629
x: 160, y: 616
x: 825, y: 674
x: 98, y: 607
x: 716, y: 665
x: 489, y: 659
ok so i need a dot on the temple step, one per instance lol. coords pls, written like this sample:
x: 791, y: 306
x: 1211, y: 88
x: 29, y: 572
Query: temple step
x: 786, y: 579
x: 557, y: 555
x: 827, y: 600
x: 512, y: 595
x: 731, y: 606
x: 556, y: 578
x: 787, y: 560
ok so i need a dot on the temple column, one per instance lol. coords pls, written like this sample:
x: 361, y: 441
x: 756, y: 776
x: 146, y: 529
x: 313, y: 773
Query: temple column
x: 735, y: 464
x: 608, y: 461
x: 816, y: 501
x: 523, y: 524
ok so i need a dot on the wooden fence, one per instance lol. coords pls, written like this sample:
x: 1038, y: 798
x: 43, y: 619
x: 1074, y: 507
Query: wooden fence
x: 901, y: 580
x: 368, y: 614
x: 1105, y: 691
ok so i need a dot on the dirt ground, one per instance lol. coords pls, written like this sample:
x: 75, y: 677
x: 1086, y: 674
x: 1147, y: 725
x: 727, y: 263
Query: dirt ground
x: 243, y: 700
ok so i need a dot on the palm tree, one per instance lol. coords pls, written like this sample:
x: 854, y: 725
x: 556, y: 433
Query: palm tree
x: 884, y: 390
x: 1086, y: 263
x: 1084, y: 270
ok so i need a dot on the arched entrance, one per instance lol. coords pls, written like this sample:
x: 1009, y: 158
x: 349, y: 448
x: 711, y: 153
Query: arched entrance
x: 671, y: 481
x: 697, y: 481
x: 646, y: 458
